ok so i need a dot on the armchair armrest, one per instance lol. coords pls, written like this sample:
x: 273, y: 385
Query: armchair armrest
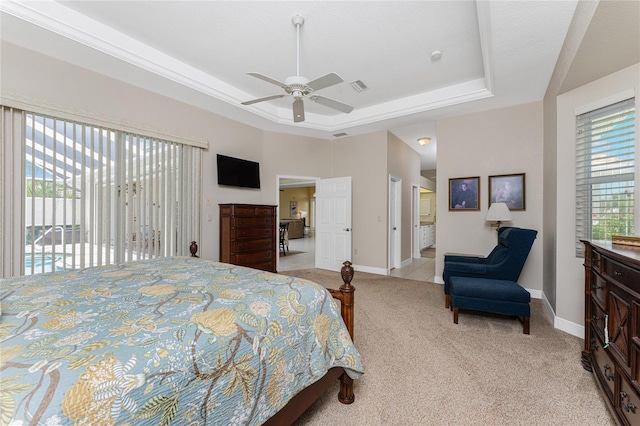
x: 465, y: 258
x: 466, y: 268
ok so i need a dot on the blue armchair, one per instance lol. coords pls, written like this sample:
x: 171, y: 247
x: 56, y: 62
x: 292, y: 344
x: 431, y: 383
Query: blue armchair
x: 505, y: 262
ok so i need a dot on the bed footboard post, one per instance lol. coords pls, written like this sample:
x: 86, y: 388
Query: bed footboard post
x: 193, y: 248
x: 346, y: 395
x: 347, y: 293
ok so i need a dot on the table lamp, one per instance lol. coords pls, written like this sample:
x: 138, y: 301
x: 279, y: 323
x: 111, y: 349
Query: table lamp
x: 498, y: 212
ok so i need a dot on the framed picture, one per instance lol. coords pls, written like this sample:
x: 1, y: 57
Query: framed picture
x: 508, y: 189
x: 464, y: 193
x: 293, y: 209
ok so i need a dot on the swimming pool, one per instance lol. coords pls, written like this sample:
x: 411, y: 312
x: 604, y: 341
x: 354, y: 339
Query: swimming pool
x: 44, y: 263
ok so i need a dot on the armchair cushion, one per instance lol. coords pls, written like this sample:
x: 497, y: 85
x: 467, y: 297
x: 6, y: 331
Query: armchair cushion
x: 505, y: 262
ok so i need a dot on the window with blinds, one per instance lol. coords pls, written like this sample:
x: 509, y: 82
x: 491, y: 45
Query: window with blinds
x: 96, y: 196
x: 605, y: 178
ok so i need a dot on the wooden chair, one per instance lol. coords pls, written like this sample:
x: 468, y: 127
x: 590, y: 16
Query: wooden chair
x: 284, y: 237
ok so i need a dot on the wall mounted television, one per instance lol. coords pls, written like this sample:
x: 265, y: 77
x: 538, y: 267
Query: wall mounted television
x: 238, y: 172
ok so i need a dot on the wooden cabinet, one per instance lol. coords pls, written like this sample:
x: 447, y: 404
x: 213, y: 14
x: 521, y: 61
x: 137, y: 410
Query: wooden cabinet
x: 248, y: 235
x: 612, y: 325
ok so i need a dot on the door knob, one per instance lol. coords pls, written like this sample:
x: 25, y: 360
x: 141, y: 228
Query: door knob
x: 346, y: 229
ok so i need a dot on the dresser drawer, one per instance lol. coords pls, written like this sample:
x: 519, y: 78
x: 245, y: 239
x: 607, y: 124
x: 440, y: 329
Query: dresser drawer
x: 250, y: 222
x: 597, y: 319
x: 604, y: 366
x: 250, y: 210
x: 253, y: 233
x: 623, y: 274
x: 251, y: 245
x: 596, y: 260
x: 628, y: 402
x: 598, y: 288
x: 265, y: 266
x: 251, y: 259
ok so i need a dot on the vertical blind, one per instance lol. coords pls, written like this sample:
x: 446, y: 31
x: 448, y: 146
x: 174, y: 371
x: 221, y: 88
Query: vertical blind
x: 96, y: 196
x: 605, y: 173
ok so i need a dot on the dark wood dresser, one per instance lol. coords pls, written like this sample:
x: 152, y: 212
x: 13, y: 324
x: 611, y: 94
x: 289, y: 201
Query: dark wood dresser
x: 612, y: 325
x: 248, y: 235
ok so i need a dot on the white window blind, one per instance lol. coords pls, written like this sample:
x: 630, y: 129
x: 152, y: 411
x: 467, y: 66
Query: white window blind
x: 605, y: 173
x: 96, y: 196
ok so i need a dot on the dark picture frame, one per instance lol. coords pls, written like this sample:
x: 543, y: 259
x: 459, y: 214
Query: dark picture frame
x: 508, y: 189
x: 464, y: 194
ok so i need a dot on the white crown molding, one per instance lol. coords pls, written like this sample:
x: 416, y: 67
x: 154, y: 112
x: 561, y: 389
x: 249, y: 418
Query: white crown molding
x: 45, y: 107
x: 68, y: 23
x: 483, y: 9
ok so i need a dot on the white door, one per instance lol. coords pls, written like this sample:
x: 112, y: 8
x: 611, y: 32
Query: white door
x: 333, y: 222
x: 395, y: 232
x: 415, y: 235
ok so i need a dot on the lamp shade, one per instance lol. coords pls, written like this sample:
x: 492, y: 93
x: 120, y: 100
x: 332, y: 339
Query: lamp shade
x: 498, y: 212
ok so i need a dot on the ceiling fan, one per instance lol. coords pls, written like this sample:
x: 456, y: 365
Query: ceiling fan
x: 299, y: 86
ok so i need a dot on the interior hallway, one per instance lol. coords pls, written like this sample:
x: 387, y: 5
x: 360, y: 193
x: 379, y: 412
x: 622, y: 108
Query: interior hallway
x: 301, y: 255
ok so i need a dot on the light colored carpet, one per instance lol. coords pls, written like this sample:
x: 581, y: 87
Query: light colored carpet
x: 422, y: 369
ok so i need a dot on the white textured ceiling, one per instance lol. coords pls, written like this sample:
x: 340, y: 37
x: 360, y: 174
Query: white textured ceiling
x: 494, y: 54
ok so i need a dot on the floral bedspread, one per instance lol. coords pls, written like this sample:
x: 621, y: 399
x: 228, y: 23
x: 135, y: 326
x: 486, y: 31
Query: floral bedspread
x: 170, y: 341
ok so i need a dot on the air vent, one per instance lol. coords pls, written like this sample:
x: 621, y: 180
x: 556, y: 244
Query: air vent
x: 339, y: 135
x: 358, y: 86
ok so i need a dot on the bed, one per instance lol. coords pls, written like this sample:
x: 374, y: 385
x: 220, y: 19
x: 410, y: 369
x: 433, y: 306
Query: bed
x: 171, y: 341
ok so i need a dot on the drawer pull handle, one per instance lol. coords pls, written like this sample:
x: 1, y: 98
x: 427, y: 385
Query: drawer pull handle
x: 597, y: 287
x: 608, y: 373
x: 618, y: 273
x: 626, y: 407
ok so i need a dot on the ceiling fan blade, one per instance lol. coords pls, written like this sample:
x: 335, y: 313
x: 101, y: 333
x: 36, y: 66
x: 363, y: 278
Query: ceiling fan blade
x: 325, y: 81
x: 266, y: 98
x: 298, y: 110
x: 331, y: 103
x: 268, y: 79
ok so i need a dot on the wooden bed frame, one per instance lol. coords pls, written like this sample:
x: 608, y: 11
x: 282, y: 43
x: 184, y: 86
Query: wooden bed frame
x: 305, y: 398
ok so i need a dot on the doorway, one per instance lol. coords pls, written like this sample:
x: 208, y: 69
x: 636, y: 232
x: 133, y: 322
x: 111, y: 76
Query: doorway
x: 297, y: 204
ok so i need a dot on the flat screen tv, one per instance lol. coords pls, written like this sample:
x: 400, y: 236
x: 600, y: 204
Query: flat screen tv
x: 237, y: 172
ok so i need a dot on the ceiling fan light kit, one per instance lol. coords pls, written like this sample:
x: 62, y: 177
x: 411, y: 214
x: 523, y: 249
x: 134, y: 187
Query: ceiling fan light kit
x: 299, y: 86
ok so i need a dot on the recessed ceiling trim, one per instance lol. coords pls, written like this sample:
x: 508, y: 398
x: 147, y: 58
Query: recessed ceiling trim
x: 68, y: 23
x: 486, y: 43
x: 75, y: 26
x: 452, y: 95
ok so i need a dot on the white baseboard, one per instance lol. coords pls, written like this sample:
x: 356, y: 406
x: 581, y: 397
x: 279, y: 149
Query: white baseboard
x: 370, y: 270
x: 561, y: 323
x: 438, y: 280
x: 536, y: 294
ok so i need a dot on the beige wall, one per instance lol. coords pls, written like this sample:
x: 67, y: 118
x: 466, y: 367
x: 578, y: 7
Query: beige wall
x: 369, y: 191
x: 302, y: 197
x: 580, y: 23
x: 61, y: 87
x: 570, y: 271
x: 498, y: 142
x: 404, y: 163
